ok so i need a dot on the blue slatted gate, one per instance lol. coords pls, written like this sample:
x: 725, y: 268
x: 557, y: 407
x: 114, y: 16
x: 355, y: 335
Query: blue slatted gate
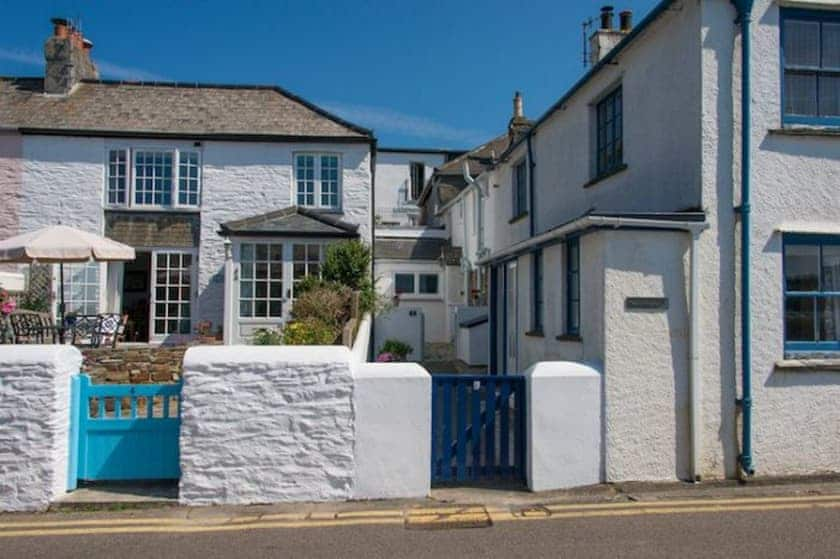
x: 124, y: 431
x: 478, y: 428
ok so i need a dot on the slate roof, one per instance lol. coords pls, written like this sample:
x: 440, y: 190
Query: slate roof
x: 291, y: 222
x: 195, y: 110
x: 450, y: 176
x: 417, y: 249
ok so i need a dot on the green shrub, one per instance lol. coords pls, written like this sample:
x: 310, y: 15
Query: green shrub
x: 327, y: 302
x: 397, y: 348
x: 265, y: 336
x: 347, y: 263
x: 309, y: 331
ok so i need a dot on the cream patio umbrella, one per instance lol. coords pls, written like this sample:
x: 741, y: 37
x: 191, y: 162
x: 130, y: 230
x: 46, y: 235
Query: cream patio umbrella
x: 60, y: 244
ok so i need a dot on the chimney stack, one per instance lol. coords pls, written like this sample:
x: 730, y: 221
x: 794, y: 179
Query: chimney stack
x: 607, y: 36
x: 67, y: 55
x: 607, y: 18
x: 518, y: 124
x: 626, y: 21
x: 517, y: 106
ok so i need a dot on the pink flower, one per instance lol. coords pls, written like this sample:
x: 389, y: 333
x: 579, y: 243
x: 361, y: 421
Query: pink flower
x: 8, y: 307
x: 386, y: 357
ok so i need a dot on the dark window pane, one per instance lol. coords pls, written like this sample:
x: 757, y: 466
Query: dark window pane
x: 829, y: 95
x: 245, y: 309
x: 428, y: 283
x: 262, y: 252
x: 829, y: 308
x: 404, y: 283
x: 801, y: 268
x: 830, y: 268
x: 260, y: 309
x: 802, y: 43
x: 800, y: 93
x: 299, y: 252
x: 799, y: 319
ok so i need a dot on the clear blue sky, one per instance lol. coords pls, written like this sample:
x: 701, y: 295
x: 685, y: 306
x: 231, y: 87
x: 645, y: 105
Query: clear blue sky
x: 419, y: 72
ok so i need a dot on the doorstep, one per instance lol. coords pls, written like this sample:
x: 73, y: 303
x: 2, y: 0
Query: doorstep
x: 131, y: 494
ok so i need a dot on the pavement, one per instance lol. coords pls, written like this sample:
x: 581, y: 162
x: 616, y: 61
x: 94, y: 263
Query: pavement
x: 772, y: 518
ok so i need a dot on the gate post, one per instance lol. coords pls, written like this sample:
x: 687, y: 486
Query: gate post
x: 75, y: 410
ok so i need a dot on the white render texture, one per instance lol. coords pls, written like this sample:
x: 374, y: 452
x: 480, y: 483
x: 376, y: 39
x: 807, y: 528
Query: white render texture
x: 266, y: 424
x: 646, y: 357
x: 563, y: 425
x: 393, y: 180
x: 34, y: 424
x: 393, y: 403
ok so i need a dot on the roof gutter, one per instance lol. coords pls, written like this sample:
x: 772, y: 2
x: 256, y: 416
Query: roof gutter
x: 589, y: 222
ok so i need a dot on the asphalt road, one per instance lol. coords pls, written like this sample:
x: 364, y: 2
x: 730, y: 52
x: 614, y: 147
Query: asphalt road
x: 765, y: 534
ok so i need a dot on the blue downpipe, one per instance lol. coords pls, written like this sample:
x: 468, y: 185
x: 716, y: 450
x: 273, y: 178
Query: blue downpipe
x: 744, y: 8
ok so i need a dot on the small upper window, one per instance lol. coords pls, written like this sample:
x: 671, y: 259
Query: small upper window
x: 428, y: 284
x: 609, y: 153
x: 403, y: 283
x: 573, y: 287
x: 158, y: 178
x: 117, y: 176
x: 418, y: 179
x: 537, y: 273
x: 318, y: 181
x: 188, y: 171
x: 520, y: 189
x: 811, y: 60
x: 812, y: 292
x: 153, y: 178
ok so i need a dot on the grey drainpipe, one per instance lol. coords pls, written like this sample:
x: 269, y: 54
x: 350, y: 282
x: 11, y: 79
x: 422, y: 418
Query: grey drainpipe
x: 744, y: 8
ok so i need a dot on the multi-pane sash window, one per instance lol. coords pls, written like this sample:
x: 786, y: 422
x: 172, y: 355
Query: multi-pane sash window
x: 573, y: 287
x: 520, y: 189
x: 812, y: 292
x: 306, y: 261
x: 261, y: 280
x: 609, y: 145
x: 427, y: 284
x: 188, y: 171
x: 537, y: 273
x: 117, y: 176
x: 159, y: 178
x: 811, y: 60
x: 81, y: 288
x: 318, y: 180
x: 153, y: 178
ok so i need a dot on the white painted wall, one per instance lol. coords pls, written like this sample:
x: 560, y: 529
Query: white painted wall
x: 393, y: 415
x: 435, y: 307
x: 266, y: 424
x: 794, y: 179
x: 63, y: 180
x: 393, y: 173
x: 563, y: 426
x: 34, y: 424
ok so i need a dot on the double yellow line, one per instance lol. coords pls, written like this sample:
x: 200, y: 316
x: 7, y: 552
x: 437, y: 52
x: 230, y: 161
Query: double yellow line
x: 418, y: 518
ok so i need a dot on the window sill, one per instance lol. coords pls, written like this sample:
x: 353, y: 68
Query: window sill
x: 518, y: 217
x: 568, y: 338
x: 605, y: 176
x: 800, y: 130
x: 149, y: 209
x: 535, y: 334
x: 807, y: 364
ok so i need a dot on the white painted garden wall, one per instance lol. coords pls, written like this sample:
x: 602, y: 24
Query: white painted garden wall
x: 564, y: 445
x: 34, y: 424
x: 302, y: 423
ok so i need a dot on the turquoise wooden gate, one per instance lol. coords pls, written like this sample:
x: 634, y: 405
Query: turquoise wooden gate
x: 124, y: 431
x: 478, y: 428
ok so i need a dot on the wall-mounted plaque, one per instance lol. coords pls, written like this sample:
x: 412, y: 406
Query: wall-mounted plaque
x: 650, y: 304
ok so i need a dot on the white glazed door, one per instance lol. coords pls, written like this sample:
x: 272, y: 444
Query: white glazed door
x: 173, y: 293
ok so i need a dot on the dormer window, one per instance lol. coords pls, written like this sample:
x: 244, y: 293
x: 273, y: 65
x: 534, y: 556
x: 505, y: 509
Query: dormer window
x: 155, y: 179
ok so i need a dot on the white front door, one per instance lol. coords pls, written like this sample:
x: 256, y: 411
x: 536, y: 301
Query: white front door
x: 172, y: 293
x: 511, y: 318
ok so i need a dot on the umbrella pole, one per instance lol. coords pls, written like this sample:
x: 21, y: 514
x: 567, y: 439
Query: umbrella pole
x: 61, y: 302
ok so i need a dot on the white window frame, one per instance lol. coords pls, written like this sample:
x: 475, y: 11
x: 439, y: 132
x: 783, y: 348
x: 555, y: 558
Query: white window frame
x: 416, y: 294
x: 130, y: 177
x: 316, y: 155
x: 193, y: 301
x: 101, y: 301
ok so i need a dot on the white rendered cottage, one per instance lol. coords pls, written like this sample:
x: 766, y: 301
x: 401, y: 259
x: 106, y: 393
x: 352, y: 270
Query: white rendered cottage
x: 166, y: 168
